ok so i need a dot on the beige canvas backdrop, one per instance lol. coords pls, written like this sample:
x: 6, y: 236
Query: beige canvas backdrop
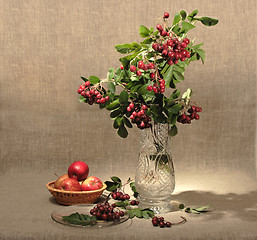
x: 46, y: 45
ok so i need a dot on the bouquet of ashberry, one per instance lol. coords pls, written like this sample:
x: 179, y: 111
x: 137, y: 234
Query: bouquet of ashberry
x: 150, y: 68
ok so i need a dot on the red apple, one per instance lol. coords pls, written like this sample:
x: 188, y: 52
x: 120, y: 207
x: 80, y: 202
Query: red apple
x: 91, y: 183
x: 78, y: 170
x: 58, y: 181
x: 70, y: 184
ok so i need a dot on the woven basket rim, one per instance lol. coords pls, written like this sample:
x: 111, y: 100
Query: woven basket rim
x: 48, y: 185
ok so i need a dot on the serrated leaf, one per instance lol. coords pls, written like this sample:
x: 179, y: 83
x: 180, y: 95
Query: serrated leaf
x: 94, y: 79
x: 144, y: 31
x: 183, y: 14
x: 207, y: 21
x: 173, y: 131
x: 176, y: 19
x: 123, y: 98
x: 116, y: 179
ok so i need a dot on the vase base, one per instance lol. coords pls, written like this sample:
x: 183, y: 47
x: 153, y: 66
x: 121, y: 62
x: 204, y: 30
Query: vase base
x: 158, y: 206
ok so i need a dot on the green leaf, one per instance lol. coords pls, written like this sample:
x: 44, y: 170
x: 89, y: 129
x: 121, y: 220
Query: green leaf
x: 143, y: 90
x: 202, y: 209
x: 144, y: 31
x: 115, y: 113
x: 168, y: 75
x: 201, y: 54
x: 207, y: 21
x: 150, y: 212
x: 192, y: 14
x: 79, y: 219
x: 122, y: 131
x: 125, y: 48
x: 123, y: 203
x: 93, y: 80
x: 111, y: 186
x: 147, y: 41
x: 116, y: 179
x: 186, y: 26
x: 183, y: 14
x: 82, y: 99
x: 127, y: 122
x: 84, y: 79
x: 111, y: 87
x: 113, y: 105
x: 131, y: 213
x: 176, y: 19
x: 110, y: 74
x: 179, y: 76
x: 138, y: 213
x: 123, y: 98
x: 173, y: 131
x: 145, y: 215
x: 133, y: 188
x: 197, y: 46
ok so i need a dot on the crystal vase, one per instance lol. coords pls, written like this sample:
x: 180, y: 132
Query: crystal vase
x: 155, y: 179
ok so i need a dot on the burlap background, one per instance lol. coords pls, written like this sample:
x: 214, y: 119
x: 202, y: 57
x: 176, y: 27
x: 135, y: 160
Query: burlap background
x: 46, y: 45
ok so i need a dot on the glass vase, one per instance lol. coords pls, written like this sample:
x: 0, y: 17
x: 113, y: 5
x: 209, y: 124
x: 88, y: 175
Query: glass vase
x: 155, y: 178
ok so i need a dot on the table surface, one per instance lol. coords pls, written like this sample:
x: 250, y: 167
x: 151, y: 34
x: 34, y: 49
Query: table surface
x: 26, y: 207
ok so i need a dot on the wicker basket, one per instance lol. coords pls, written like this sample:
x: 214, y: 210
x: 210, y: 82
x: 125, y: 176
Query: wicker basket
x: 74, y: 197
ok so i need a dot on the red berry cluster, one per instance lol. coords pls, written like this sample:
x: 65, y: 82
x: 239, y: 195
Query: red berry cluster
x: 120, y: 196
x: 159, y: 221
x: 173, y: 49
x: 157, y: 88
x: 184, y: 118
x: 138, y: 116
x: 92, y: 95
x: 106, y: 212
x: 141, y: 65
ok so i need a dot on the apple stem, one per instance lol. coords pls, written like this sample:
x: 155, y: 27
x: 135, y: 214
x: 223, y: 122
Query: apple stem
x: 56, y: 175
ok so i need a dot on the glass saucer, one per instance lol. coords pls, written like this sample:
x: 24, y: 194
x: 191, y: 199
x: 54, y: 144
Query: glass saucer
x: 84, y: 209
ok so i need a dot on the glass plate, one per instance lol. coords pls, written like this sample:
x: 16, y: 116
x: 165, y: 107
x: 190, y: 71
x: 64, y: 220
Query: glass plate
x: 84, y: 209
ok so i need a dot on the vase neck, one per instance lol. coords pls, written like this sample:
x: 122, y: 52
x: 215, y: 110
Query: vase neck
x: 155, y: 137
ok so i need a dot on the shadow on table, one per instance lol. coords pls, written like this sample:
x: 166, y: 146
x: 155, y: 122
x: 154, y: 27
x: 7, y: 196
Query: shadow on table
x: 242, y: 206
